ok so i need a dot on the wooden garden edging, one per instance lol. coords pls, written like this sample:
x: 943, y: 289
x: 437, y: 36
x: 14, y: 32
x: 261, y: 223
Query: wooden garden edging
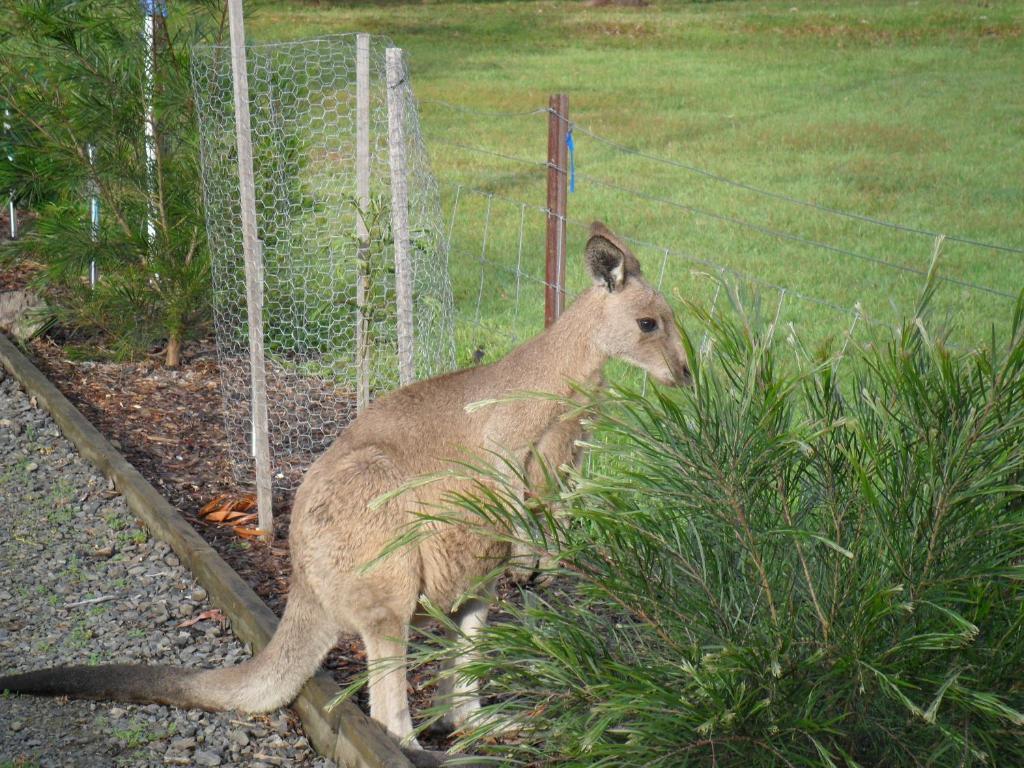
x: 343, y: 734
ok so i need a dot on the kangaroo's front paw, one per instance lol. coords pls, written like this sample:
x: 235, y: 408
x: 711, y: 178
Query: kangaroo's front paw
x: 459, y: 714
x: 527, y: 565
x: 536, y: 571
x: 522, y: 573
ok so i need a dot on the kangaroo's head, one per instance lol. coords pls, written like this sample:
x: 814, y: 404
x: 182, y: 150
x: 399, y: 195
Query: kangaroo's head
x: 635, y: 322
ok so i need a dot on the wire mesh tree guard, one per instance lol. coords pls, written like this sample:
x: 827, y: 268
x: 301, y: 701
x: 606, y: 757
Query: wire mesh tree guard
x: 356, y: 297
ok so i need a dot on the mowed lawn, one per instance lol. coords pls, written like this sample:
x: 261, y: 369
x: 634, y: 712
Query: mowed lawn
x: 908, y: 112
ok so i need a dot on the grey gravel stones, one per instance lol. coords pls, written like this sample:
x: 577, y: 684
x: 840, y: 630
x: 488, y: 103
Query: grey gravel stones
x: 82, y: 583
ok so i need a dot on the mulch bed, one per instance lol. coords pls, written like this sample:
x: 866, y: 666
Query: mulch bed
x: 169, y: 425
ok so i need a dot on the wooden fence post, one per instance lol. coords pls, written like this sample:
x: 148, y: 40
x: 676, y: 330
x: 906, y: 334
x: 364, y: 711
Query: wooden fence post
x: 558, y: 157
x: 253, y: 254
x: 400, y: 214
x: 362, y: 233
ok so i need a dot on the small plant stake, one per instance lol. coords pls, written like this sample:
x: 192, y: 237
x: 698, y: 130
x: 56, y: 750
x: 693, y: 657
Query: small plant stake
x: 12, y: 210
x: 558, y: 145
x: 94, y: 211
x: 150, y: 8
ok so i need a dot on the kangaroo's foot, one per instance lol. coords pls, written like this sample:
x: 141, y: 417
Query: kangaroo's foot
x: 460, y: 714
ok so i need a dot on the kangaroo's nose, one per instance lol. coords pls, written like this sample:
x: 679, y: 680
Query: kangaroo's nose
x: 678, y: 375
x: 681, y: 375
x: 684, y: 378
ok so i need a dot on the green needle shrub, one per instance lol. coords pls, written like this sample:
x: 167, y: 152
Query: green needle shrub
x: 72, y: 75
x: 792, y: 564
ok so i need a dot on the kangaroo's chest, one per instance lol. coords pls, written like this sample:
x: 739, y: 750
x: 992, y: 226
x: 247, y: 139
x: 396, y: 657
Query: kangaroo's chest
x: 544, y: 435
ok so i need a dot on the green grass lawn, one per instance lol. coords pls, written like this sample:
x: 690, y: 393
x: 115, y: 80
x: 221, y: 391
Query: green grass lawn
x: 909, y: 112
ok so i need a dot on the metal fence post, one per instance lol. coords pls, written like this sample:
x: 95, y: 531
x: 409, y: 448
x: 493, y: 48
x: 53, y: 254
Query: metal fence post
x: 400, y: 214
x: 253, y: 270
x: 554, y: 273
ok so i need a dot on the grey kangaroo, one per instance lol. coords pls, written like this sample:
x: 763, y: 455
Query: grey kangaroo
x: 417, y: 430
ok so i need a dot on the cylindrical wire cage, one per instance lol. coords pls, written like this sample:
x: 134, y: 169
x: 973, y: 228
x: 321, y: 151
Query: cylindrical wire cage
x: 328, y: 268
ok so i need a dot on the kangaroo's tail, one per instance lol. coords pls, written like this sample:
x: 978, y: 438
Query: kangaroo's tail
x: 269, y: 680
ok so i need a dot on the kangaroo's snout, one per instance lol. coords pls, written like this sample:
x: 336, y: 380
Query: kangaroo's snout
x: 681, y: 376
x: 676, y: 372
x: 681, y: 369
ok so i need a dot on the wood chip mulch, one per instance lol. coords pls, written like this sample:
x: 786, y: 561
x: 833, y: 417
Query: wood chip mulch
x: 169, y: 425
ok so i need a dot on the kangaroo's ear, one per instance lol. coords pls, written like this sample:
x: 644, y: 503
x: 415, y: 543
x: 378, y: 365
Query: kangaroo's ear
x: 610, y: 262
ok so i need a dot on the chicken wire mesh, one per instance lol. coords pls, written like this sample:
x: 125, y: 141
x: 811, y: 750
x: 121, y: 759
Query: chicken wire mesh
x: 320, y: 238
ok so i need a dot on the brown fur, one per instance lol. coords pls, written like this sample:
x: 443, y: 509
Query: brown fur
x: 417, y: 430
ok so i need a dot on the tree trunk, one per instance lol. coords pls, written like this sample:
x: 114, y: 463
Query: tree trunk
x: 172, y: 358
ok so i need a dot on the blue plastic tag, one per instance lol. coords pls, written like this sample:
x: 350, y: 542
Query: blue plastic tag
x: 572, y: 159
x: 153, y: 7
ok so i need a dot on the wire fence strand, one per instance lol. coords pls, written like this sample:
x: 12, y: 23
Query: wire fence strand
x: 496, y: 114
x: 782, y: 196
x: 491, y: 152
x: 719, y: 178
x: 783, y: 235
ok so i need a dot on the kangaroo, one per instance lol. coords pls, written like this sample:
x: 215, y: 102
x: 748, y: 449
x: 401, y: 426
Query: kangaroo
x: 414, y: 431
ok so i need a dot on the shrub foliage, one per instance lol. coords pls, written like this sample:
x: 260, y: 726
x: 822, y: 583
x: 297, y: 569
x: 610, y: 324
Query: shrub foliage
x: 815, y: 564
x: 72, y: 74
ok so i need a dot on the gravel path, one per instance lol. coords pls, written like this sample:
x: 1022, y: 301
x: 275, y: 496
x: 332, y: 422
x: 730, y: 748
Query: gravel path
x: 81, y: 583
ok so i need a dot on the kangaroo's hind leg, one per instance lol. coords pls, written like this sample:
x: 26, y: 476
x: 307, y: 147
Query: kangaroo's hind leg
x: 338, y: 539
x: 386, y: 641
x: 379, y: 605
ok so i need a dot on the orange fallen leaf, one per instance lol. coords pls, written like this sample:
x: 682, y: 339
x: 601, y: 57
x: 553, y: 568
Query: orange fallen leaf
x: 219, y: 515
x: 249, y: 533
x: 229, y: 509
x: 216, y: 503
x: 213, y: 613
x: 245, y: 519
x: 232, y: 502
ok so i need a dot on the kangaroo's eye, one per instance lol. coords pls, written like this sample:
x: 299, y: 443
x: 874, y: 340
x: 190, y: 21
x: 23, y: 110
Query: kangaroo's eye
x: 647, y: 324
